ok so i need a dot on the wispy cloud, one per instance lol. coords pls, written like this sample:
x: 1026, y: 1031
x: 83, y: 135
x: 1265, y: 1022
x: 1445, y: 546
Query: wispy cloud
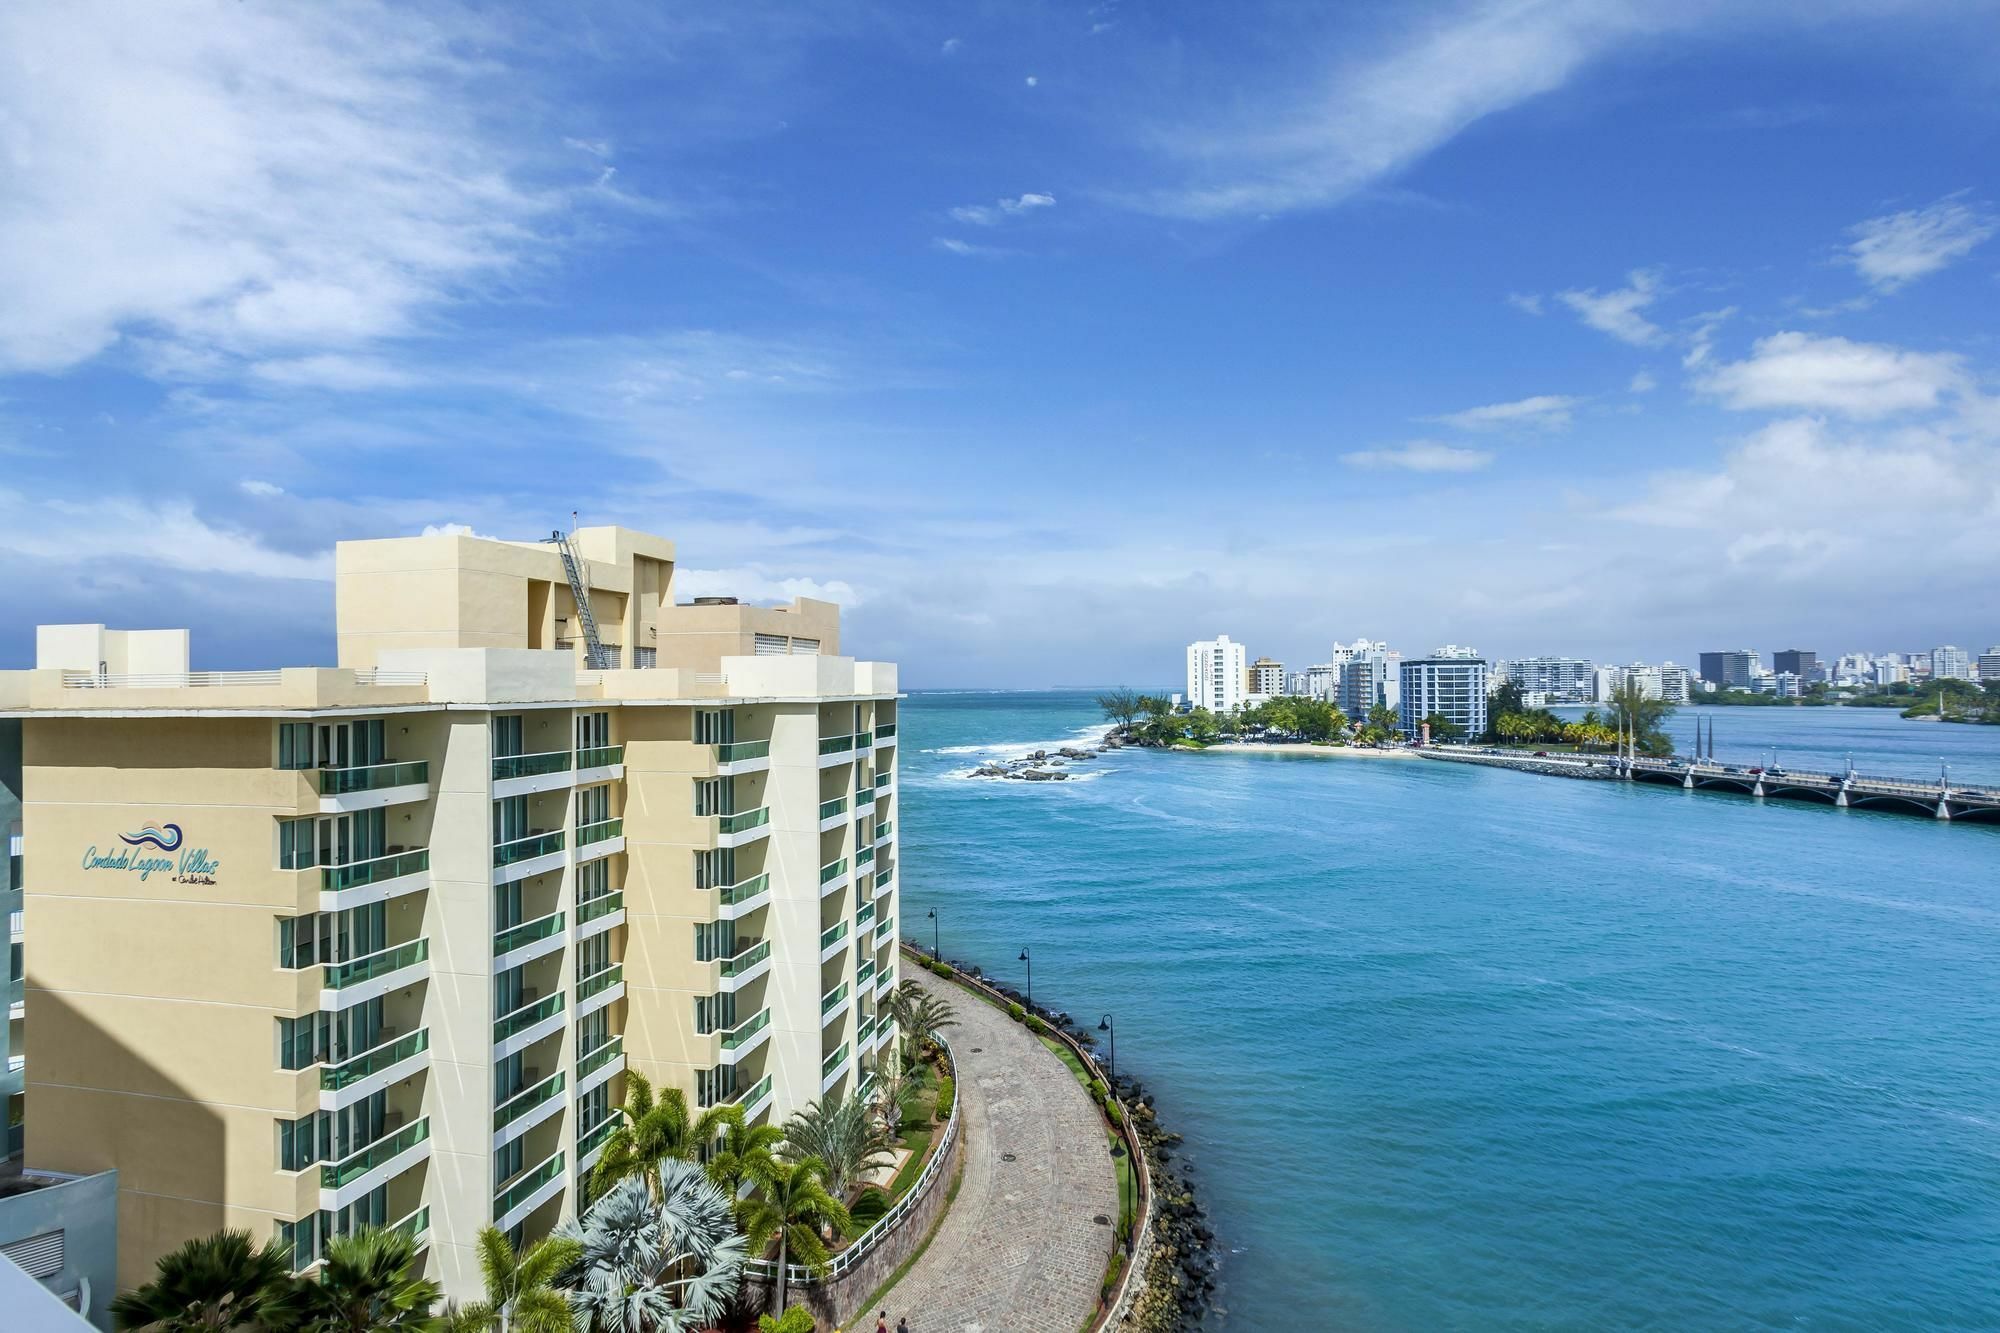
x: 952, y: 245
x: 165, y: 533
x: 1617, y: 312
x: 1420, y: 456
x: 992, y: 215
x: 1542, y: 412
x: 1800, y: 372
x: 1899, y: 248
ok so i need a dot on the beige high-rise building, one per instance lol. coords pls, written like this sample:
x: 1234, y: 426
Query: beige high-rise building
x: 315, y: 947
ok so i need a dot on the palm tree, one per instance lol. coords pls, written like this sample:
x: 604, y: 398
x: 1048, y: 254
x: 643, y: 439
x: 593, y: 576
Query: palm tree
x: 843, y: 1136
x: 654, y: 1129
x: 792, y: 1204
x: 520, y: 1286
x: 920, y: 1016
x: 369, y: 1282
x: 647, y: 1267
x: 216, y: 1282
x: 742, y: 1146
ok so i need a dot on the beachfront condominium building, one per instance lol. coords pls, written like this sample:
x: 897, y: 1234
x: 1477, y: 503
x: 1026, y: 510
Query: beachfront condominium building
x: 1731, y: 670
x: 1453, y: 687
x: 1988, y: 665
x: 1367, y: 677
x: 1265, y: 677
x: 378, y: 943
x: 1322, y: 681
x: 1559, y: 679
x: 1951, y: 663
x: 1215, y: 674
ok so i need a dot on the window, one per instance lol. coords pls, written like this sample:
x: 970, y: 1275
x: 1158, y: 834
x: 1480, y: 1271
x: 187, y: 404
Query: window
x: 713, y: 940
x: 715, y: 869
x: 593, y: 880
x: 510, y: 819
x: 771, y: 645
x: 715, y: 796
x: 645, y: 659
x: 304, y: 1141
x: 714, y: 1085
x: 295, y: 745
x: 506, y: 906
x: 507, y: 1163
x: 507, y: 735
x: 592, y: 1031
x: 714, y: 726
x: 714, y: 1013
x: 593, y: 956
x: 593, y: 805
x: 593, y: 1108
x: 593, y: 731
x: 806, y: 647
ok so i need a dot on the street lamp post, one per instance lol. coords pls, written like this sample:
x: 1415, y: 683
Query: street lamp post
x: 935, y: 955
x: 1031, y: 977
x: 1106, y: 1025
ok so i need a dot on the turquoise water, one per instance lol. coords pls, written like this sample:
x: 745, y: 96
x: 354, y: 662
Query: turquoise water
x: 1455, y: 1048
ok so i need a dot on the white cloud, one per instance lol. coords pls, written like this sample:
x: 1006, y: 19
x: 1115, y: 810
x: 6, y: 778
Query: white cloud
x: 263, y: 490
x: 241, y: 179
x: 1617, y: 312
x: 1899, y: 248
x: 1421, y: 456
x: 1644, y: 382
x: 1527, y: 302
x: 756, y: 586
x: 1542, y: 412
x: 332, y: 370
x: 1701, y: 342
x: 952, y: 245
x: 951, y: 46
x: 453, y: 530
x: 1800, y: 372
x: 119, y: 530
x: 991, y: 215
x: 1032, y: 80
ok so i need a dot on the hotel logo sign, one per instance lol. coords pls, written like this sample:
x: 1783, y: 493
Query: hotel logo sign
x: 156, y: 849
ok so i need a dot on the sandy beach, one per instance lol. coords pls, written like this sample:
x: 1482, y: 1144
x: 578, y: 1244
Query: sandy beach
x: 1320, y: 751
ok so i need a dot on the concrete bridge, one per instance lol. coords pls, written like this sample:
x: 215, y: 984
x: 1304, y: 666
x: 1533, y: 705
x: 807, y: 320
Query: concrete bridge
x: 1850, y: 790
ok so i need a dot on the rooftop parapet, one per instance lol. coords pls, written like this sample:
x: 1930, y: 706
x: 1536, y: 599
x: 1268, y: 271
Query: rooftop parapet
x: 283, y: 690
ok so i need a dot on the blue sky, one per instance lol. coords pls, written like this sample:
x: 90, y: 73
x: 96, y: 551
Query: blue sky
x: 1046, y: 338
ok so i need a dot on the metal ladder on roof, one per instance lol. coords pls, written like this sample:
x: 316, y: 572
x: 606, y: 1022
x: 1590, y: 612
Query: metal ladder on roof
x: 579, y: 588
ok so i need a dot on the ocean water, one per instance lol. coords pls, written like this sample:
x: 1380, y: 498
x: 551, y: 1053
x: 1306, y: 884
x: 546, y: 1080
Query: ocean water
x: 1455, y: 1048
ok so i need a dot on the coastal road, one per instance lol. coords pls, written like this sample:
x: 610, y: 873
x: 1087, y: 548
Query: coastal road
x: 1019, y: 1251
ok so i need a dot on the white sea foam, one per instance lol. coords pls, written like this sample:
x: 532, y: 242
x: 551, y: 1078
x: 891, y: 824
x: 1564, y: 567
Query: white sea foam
x: 1082, y: 736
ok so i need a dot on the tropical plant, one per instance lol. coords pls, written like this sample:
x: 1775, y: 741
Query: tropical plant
x: 521, y: 1295
x: 1202, y: 727
x: 221, y: 1281
x: 1640, y: 721
x: 654, y: 1267
x: 919, y: 1016
x: 740, y: 1147
x: 843, y: 1135
x: 792, y: 1204
x: 370, y: 1281
x: 798, y: 1319
x: 653, y: 1129
x: 1121, y: 706
x: 1443, y: 728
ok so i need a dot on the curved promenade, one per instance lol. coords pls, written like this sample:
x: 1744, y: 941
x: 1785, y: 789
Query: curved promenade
x: 1019, y: 1251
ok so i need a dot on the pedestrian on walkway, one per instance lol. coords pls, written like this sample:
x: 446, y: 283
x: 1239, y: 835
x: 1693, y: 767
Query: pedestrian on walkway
x: 902, y: 1326
x: 882, y: 1322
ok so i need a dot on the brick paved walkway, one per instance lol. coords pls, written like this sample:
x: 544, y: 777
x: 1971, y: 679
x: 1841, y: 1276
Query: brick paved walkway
x: 1019, y: 1251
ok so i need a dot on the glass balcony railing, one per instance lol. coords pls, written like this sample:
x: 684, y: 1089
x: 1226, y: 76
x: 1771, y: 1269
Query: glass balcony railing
x: 526, y: 1184
x: 333, y: 1077
x: 835, y: 744
x: 886, y: 929
x: 730, y: 751
x: 587, y: 1140
x: 832, y: 870
x: 371, y: 777
x: 744, y: 822
x: 864, y: 855
x: 514, y: 937
x: 392, y: 959
x: 863, y: 739
x: 417, y: 1225
x: 598, y: 832
x: 597, y: 1059
x: 744, y: 890
x: 864, y: 916
x: 333, y: 1175
x: 743, y: 1032
x: 866, y: 796
x: 882, y: 780
x: 602, y: 905
x: 836, y: 806
x: 531, y: 765
x: 354, y: 875
x: 507, y: 1112
x: 600, y: 982
x: 753, y: 1094
x: 832, y: 999
x: 600, y: 756
x: 527, y: 1016
x: 746, y: 959
x: 863, y: 973
x: 885, y: 730
x: 832, y: 935
x: 865, y: 1031
x: 528, y: 848
x: 833, y: 1062
x: 883, y: 830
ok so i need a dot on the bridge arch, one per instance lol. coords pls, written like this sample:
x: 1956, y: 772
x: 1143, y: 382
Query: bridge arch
x: 1819, y: 794
x: 1900, y: 802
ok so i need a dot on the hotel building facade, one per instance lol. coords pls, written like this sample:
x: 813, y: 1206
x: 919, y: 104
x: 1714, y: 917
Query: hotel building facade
x: 314, y: 948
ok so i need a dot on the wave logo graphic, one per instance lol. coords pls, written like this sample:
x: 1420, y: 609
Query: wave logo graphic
x: 167, y: 839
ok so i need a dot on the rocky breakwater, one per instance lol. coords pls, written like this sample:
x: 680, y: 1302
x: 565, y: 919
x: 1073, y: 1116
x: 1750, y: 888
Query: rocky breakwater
x: 1041, y: 765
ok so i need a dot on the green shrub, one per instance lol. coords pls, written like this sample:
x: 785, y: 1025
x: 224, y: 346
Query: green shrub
x: 1114, y: 1113
x: 1036, y: 1025
x: 946, y: 1091
x: 797, y: 1319
x: 1111, y: 1277
x: 944, y: 970
x: 1016, y: 1012
x: 1098, y: 1091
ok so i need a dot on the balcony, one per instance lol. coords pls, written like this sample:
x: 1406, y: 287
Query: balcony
x: 528, y: 1191
x: 380, y: 1162
x: 885, y: 734
x: 417, y: 1226
x: 862, y: 740
x: 832, y: 814
x: 882, y: 832
x: 832, y: 877
x: 866, y: 796
x: 863, y: 1032
x: 599, y: 989
x: 529, y: 940
x: 832, y: 1003
x: 532, y: 854
x: 589, y: 1142
x: 600, y: 1064
x: 365, y: 978
x: 371, y: 786
x: 601, y: 838
x: 863, y: 917
x: 360, y: 883
x: 526, y: 1109
x: 599, y: 763
x: 863, y: 856
x: 746, y: 1037
x: 391, y: 1061
x: 753, y: 1098
x: 831, y: 1068
x: 863, y: 973
x: 733, y: 757
x: 886, y: 930
x: 521, y: 774
x: 744, y: 896
x: 529, y: 1024
x: 883, y: 780
x: 738, y: 829
x: 832, y: 940
x: 885, y: 981
x: 836, y: 744
x: 596, y: 915
x: 751, y: 961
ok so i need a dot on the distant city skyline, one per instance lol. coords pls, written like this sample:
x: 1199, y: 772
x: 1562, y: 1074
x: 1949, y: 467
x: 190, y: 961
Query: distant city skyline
x: 1044, y: 340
